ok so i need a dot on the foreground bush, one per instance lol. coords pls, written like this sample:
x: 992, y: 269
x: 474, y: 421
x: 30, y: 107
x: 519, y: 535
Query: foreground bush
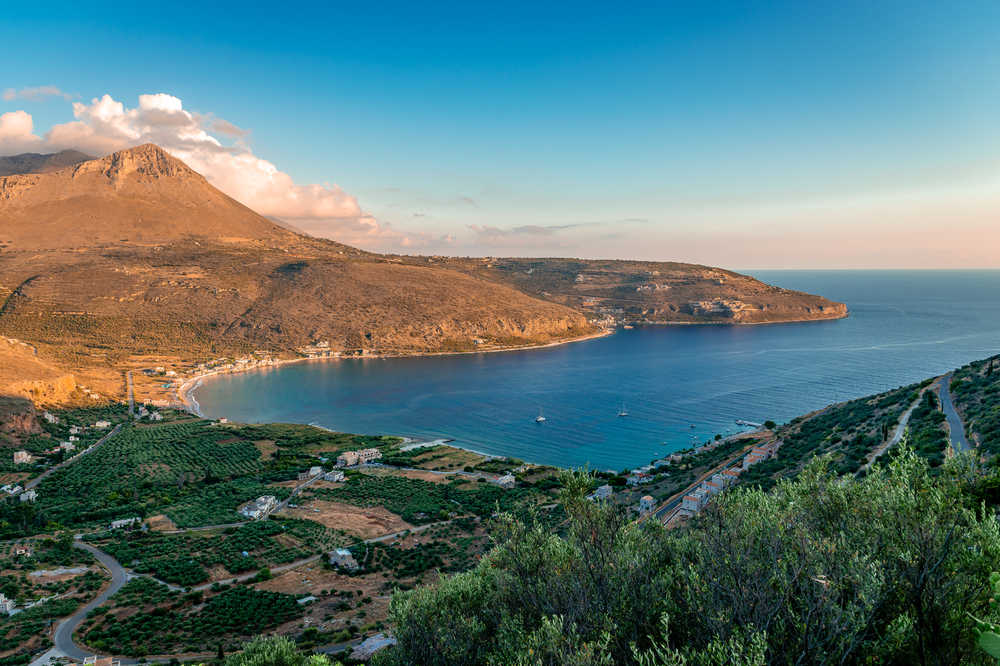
x: 820, y: 570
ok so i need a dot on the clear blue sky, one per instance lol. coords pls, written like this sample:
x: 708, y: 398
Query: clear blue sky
x: 669, y: 130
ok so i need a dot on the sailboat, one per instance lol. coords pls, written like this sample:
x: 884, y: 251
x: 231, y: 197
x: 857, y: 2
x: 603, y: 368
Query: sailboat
x: 622, y: 411
x: 539, y: 418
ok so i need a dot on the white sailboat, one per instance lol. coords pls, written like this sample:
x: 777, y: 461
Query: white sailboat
x: 539, y: 418
x: 623, y: 411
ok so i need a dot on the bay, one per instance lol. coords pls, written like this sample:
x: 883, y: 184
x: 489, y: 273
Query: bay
x: 679, y: 384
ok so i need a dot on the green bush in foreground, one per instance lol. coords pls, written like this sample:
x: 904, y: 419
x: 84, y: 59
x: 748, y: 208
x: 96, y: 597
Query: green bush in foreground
x: 820, y: 570
x: 274, y: 651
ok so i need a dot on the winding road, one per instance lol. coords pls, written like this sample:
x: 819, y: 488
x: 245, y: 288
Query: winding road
x: 63, y: 636
x: 959, y: 441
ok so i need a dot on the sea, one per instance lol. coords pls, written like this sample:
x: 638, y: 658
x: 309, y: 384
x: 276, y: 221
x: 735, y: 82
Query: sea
x: 680, y: 385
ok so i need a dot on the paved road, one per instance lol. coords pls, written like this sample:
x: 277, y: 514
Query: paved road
x: 957, y: 429
x: 38, y: 479
x: 63, y: 637
x: 897, y: 435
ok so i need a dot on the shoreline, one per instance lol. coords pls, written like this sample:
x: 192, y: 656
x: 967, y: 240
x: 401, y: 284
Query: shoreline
x: 183, y: 393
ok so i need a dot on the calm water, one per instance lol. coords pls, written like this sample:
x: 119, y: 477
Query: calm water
x: 904, y: 326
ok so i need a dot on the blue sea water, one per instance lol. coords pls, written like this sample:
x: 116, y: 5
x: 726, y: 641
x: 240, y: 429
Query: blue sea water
x: 680, y: 384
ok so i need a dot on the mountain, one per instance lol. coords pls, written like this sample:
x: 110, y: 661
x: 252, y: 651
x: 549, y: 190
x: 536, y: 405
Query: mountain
x: 135, y: 259
x: 39, y: 163
x: 139, y: 196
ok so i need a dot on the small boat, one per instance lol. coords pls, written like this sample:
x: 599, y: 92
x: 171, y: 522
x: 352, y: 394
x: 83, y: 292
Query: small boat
x: 622, y: 411
x: 539, y: 418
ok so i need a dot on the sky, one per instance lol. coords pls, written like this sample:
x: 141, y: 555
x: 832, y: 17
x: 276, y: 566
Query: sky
x: 746, y: 135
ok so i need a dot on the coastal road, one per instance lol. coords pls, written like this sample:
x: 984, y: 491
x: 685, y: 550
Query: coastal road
x: 41, y: 477
x: 957, y: 429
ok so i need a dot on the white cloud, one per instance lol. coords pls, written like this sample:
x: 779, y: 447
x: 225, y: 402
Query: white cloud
x: 34, y: 94
x: 106, y: 125
x: 17, y: 132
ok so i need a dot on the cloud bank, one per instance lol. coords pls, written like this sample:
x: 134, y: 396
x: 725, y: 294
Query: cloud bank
x: 106, y: 125
x: 34, y: 94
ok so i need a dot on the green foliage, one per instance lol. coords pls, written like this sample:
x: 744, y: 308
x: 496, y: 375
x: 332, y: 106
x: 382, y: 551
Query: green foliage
x: 17, y: 630
x: 418, y: 501
x: 928, y: 435
x: 821, y: 570
x: 976, y: 392
x: 274, y: 651
x: 184, y: 559
x: 849, y: 430
x: 237, y: 611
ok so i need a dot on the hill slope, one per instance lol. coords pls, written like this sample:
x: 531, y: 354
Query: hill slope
x: 112, y: 262
x: 39, y: 163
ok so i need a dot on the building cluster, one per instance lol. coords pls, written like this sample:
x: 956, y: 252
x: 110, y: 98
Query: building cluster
x: 260, y: 507
x: 23, y: 458
x: 222, y: 365
x: 14, y: 490
x: 696, y: 500
x: 355, y: 458
x: 319, y: 349
x: 50, y: 417
x: 759, y: 453
x: 652, y: 286
x: 145, y: 412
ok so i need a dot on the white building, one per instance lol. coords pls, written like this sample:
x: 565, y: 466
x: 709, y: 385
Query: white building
x: 646, y: 505
x: 75, y: 430
x: 507, y: 481
x: 259, y: 507
x: 604, y: 492
x: 124, y: 522
x: 22, y: 457
x: 101, y: 425
x: 29, y: 496
x: 67, y: 446
x: 335, y: 476
x: 695, y: 501
x: 6, y: 605
x: 51, y: 418
x: 343, y: 559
